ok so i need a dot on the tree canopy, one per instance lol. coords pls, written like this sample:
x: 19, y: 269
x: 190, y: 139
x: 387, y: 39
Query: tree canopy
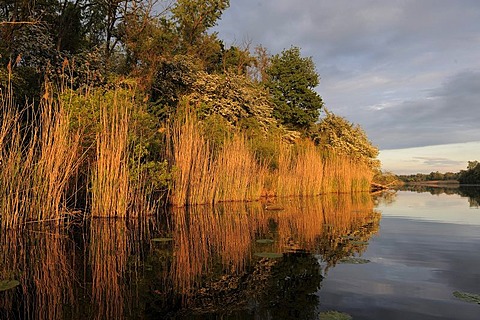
x: 292, y: 80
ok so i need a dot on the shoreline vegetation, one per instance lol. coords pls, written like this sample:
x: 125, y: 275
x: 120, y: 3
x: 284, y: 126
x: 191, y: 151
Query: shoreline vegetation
x: 59, y: 162
x: 117, y: 113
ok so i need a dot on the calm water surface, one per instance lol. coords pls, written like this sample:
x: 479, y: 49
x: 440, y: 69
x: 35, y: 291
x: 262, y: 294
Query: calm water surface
x: 396, y: 256
x: 427, y: 248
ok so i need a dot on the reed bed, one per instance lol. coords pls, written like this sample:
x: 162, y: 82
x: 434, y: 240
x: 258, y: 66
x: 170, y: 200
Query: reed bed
x: 204, y: 176
x: 110, y: 176
x: 38, y: 161
x: 305, y: 170
x: 300, y: 170
x: 238, y: 175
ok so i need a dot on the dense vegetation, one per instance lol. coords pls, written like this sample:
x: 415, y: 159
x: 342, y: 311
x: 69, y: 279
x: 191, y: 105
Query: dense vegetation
x: 469, y: 176
x: 112, y: 106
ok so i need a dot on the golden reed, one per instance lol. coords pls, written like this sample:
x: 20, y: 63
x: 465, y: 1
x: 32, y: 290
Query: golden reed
x: 206, y: 176
x: 38, y: 161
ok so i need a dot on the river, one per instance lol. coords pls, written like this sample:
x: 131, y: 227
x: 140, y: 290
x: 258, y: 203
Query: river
x: 411, y: 254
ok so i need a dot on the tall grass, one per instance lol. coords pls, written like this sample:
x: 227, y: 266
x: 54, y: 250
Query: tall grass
x: 305, y: 170
x: 205, y: 176
x: 300, y: 170
x: 38, y: 159
x: 110, y: 176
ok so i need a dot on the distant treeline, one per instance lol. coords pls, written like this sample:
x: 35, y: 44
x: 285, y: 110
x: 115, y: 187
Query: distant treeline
x: 469, y: 176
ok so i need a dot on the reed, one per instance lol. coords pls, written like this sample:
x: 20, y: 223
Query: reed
x: 193, y: 179
x: 238, y: 175
x: 300, y: 170
x: 305, y: 170
x: 205, y: 176
x: 39, y: 159
x: 110, y: 176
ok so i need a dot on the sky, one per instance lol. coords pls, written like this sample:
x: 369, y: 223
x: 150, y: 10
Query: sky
x: 407, y: 71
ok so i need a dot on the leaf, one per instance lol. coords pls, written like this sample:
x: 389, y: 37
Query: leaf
x: 334, y: 315
x: 467, y: 297
x: 162, y: 239
x: 270, y: 255
x: 265, y: 241
x: 8, y: 284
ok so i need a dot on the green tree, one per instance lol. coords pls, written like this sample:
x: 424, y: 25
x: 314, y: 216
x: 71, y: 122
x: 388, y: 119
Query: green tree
x: 291, y: 81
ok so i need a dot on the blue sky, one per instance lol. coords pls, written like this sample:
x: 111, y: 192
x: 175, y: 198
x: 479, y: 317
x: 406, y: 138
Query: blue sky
x: 407, y: 71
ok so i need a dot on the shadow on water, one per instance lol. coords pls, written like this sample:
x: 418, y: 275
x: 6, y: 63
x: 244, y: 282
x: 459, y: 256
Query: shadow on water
x: 234, y: 261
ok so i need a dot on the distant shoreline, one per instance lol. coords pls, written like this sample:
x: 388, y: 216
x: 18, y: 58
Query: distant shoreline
x: 441, y: 183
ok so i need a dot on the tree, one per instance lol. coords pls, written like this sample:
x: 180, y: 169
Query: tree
x: 336, y: 133
x: 471, y: 175
x: 291, y: 82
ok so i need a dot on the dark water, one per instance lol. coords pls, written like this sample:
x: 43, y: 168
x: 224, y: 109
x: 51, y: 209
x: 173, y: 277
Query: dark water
x: 397, y: 256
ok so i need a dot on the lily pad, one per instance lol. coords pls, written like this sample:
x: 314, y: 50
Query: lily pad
x: 8, y: 284
x: 334, y: 315
x: 270, y: 255
x: 354, y: 260
x: 468, y: 297
x: 162, y: 239
x: 265, y: 241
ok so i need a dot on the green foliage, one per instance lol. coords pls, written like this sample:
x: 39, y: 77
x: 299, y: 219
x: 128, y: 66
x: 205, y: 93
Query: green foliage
x: 174, y: 78
x: 194, y: 18
x: 292, y: 80
x: 337, y: 134
x: 233, y: 97
x: 468, y: 297
x: 471, y: 175
x: 334, y: 315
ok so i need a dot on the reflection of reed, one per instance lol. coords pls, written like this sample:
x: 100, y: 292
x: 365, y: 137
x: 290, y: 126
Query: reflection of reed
x: 221, y: 238
x: 108, y: 260
x: 325, y: 224
x: 41, y: 260
x: 205, y: 236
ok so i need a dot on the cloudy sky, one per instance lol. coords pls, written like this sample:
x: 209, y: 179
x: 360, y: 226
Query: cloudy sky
x: 407, y: 71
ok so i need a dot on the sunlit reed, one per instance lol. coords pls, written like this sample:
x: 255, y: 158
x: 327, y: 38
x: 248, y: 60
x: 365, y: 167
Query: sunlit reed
x: 305, y: 170
x: 110, y: 176
x: 37, y: 162
x: 203, y: 176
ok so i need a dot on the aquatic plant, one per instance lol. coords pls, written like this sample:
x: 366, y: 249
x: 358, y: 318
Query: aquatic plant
x: 334, y: 315
x: 468, y: 297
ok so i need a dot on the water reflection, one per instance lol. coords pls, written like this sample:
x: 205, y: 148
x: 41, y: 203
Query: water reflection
x: 41, y: 259
x: 242, y: 257
x: 470, y: 192
x: 236, y: 258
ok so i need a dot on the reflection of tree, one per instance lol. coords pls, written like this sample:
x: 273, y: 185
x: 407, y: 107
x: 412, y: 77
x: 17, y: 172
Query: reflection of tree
x: 386, y: 197
x: 291, y: 288
x: 473, y: 194
x: 208, y: 267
